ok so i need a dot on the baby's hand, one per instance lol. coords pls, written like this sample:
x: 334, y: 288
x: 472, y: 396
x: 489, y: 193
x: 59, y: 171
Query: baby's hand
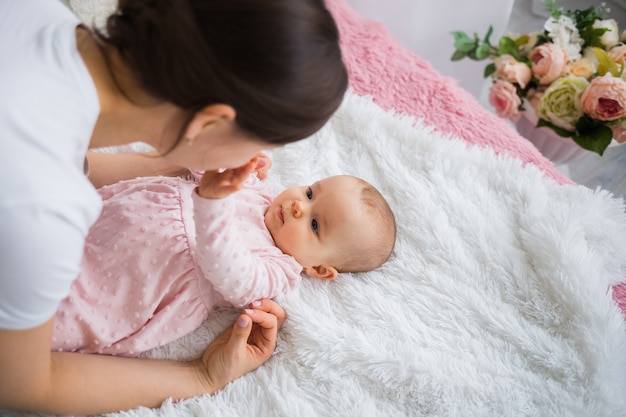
x: 264, y: 164
x: 220, y: 184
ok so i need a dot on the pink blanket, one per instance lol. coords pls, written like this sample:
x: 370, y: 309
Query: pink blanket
x: 399, y: 80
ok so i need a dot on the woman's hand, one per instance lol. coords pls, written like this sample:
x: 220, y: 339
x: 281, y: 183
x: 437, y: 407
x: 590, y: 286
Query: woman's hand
x: 243, y: 347
x: 35, y: 379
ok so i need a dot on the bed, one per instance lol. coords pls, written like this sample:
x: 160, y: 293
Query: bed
x: 504, y: 294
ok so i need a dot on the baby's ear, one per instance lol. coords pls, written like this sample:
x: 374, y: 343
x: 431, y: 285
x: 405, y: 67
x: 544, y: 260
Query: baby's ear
x: 321, y: 271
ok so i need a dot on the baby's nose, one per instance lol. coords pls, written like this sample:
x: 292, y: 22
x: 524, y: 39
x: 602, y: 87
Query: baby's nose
x: 296, y: 208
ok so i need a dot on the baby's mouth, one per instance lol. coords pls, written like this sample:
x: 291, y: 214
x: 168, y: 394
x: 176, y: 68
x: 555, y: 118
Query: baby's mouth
x: 281, y: 214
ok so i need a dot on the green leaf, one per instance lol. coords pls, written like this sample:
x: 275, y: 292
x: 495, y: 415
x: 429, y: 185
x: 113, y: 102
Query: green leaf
x: 552, y: 8
x: 521, y: 41
x: 592, y: 37
x: 586, y: 124
x: 561, y: 132
x: 605, y: 63
x: 585, y: 18
x: 488, y: 35
x: 595, y: 140
x: 483, y: 51
x: 489, y: 69
x: 592, y: 135
x: 459, y: 35
x: 458, y: 55
x: 507, y: 47
x: 465, y: 45
x: 462, y: 42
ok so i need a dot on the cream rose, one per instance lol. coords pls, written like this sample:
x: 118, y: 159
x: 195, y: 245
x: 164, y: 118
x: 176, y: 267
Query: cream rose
x: 605, y: 98
x: 581, y: 68
x: 513, y: 71
x: 503, y: 97
x: 589, y: 54
x: 560, y: 104
x: 609, y: 38
x: 548, y: 62
x: 618, y: 54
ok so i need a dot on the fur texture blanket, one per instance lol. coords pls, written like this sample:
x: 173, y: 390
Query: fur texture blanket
x: 497, y: 300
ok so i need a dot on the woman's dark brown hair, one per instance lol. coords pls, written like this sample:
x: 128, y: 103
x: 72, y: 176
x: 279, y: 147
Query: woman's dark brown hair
x: 276, y: 62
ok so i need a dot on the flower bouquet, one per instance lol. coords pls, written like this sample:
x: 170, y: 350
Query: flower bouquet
x: 570, y: 74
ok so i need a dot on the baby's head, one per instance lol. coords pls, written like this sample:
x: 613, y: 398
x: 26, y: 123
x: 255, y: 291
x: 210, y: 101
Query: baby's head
x: 338, y: 224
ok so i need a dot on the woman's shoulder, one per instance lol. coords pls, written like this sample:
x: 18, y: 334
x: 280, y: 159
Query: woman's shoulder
x: 45, y: 80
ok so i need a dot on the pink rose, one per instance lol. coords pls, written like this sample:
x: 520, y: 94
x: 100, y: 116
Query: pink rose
x: 534, y: 95
x: 548, y: 62
x: 605, y: 98
x: 619, y: 132
x: 618, y: 54
x: 513, y: 71
x: 503, y: 97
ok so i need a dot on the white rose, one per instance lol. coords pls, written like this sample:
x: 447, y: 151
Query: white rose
x: 609, y: 38
x: 564, y: 33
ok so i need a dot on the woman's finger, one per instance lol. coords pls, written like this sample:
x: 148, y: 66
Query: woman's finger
x: 241, y: 332
x: 271, y: 307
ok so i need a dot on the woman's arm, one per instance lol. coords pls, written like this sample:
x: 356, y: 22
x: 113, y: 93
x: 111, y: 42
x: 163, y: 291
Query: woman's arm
x: 106, y: 169
x: 35, y: 379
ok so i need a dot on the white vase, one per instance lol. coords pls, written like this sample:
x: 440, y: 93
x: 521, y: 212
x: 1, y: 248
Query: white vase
x: 582, y: 166
x: 558, y: 149
x: 554, y: 147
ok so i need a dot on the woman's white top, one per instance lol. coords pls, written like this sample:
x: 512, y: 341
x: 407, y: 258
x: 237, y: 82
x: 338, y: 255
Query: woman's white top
x: 48, y: 110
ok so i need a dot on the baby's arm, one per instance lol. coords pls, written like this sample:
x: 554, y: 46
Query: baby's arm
x: 221, y: 184
x: 263, y: 165
x: 240, y: 273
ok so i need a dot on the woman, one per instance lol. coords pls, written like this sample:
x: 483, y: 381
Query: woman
x: 208, y: 84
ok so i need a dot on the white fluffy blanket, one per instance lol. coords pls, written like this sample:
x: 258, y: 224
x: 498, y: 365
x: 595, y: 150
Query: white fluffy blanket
x: 496, y: 301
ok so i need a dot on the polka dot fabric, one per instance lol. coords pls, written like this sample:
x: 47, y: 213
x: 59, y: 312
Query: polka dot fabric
x: 160, y: 258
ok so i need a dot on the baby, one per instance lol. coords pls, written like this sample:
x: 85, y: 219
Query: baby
x: 166, y: 251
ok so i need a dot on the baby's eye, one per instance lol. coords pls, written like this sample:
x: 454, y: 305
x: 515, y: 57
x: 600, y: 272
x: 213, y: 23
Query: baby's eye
x: 309, y: 193
x: 315, y: 226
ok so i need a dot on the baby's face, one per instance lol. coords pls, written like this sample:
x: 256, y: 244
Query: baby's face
x: 314, y: 223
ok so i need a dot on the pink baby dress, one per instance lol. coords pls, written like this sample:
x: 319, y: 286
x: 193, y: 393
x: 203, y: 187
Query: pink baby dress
x: 160, y: 258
